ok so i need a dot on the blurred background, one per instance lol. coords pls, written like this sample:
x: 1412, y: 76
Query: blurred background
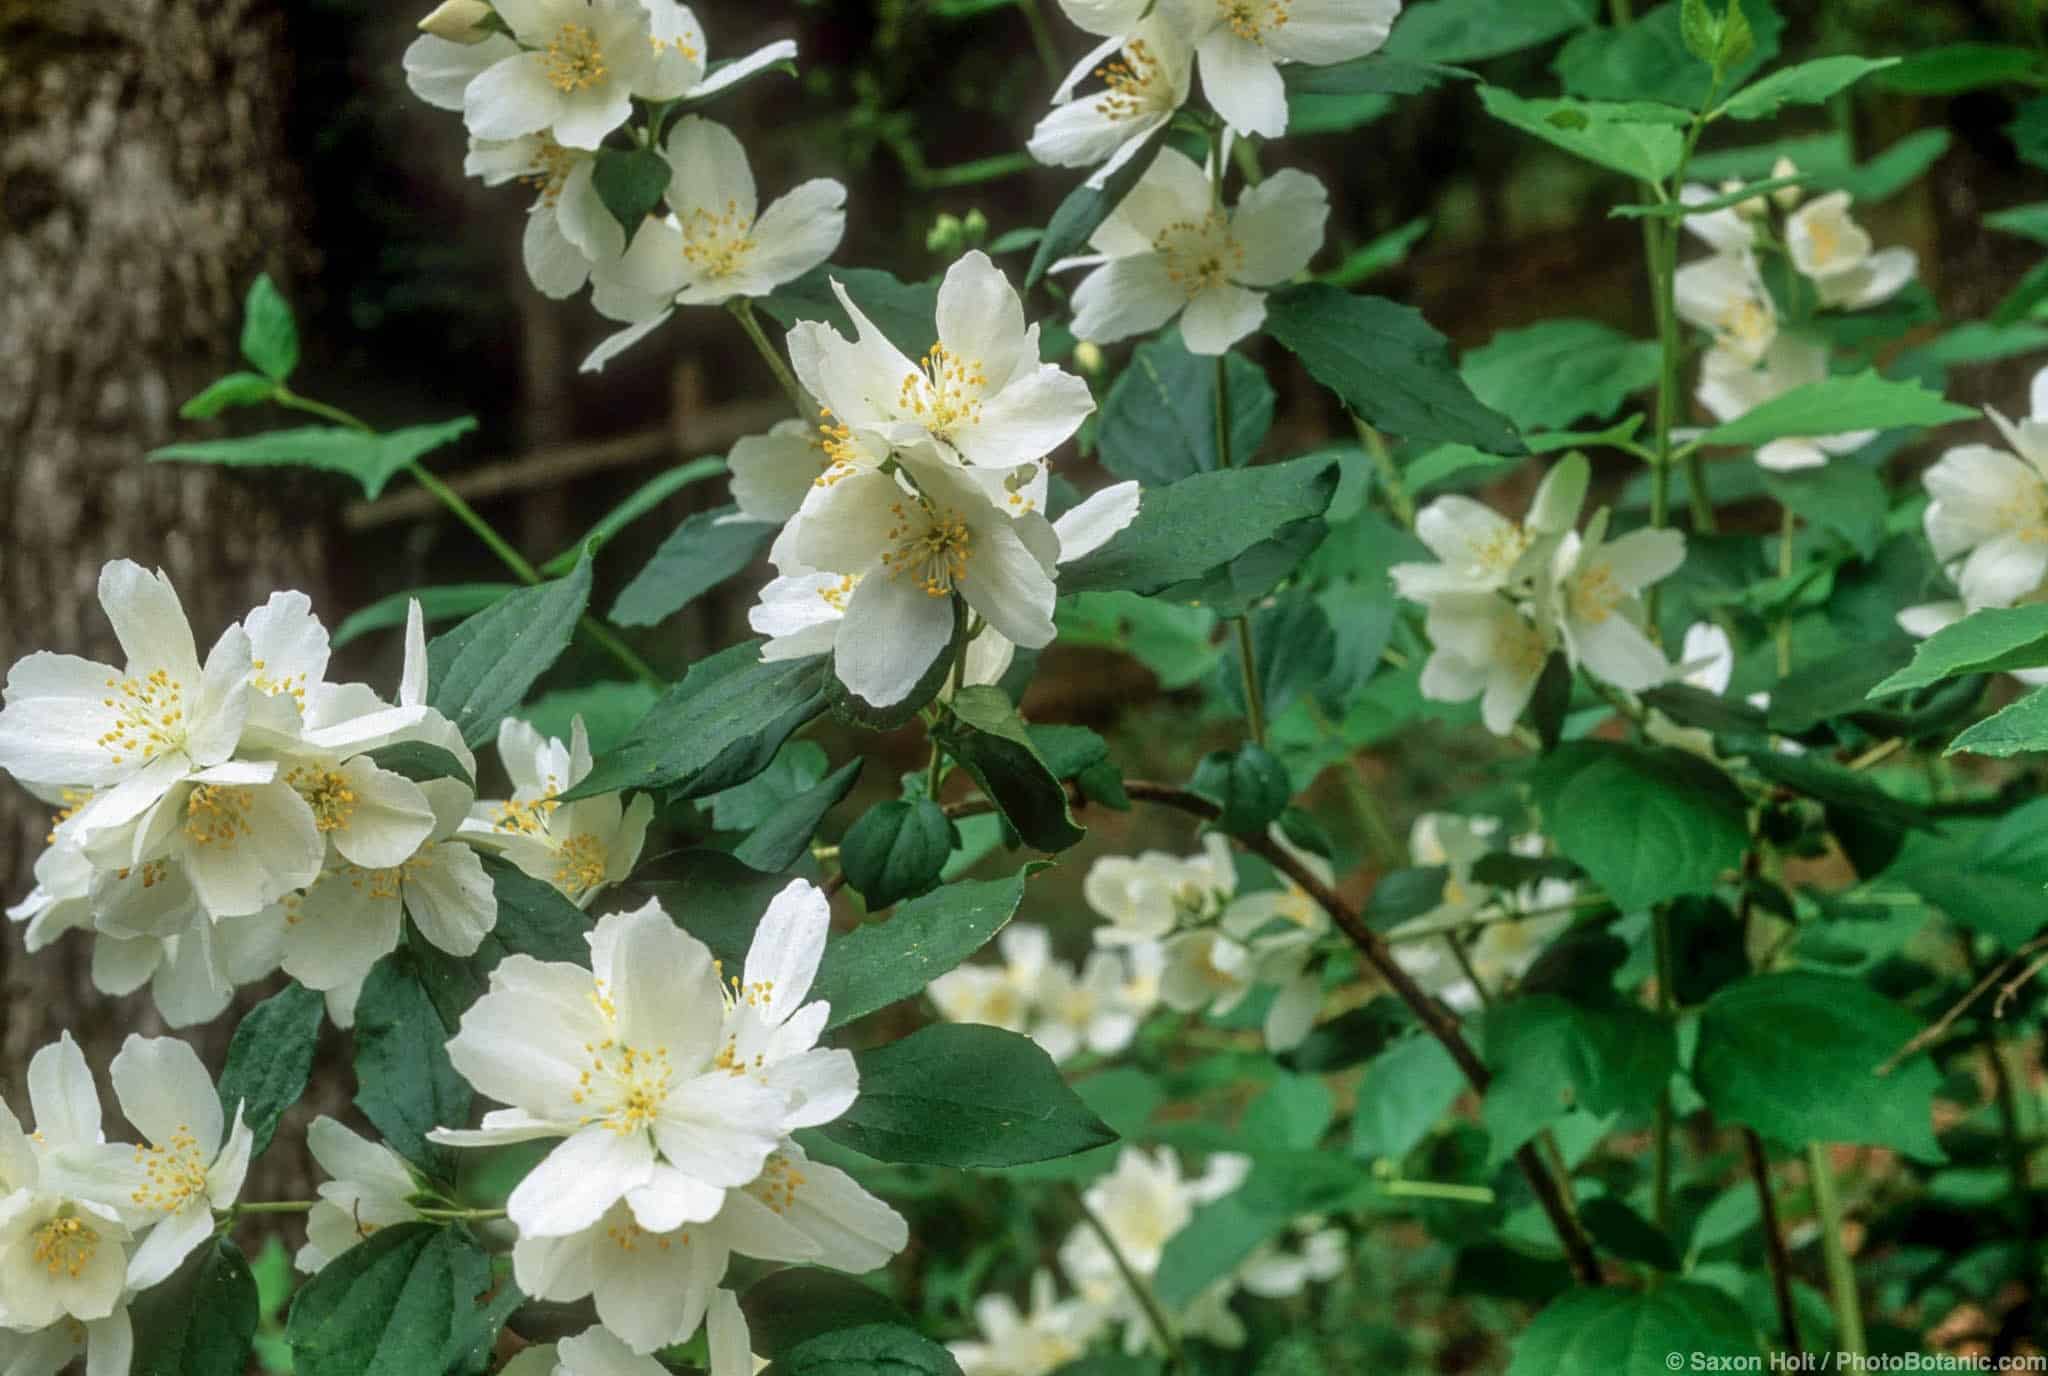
x: 156, y: 154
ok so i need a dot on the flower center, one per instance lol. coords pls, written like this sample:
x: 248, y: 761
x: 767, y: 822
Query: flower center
x: 933, y: 548
x: 626, y: 1085
x: 1746, y: 321
x: 328, y: 793
x: 149, y: 716
x: 945, y: 391
x: 1200, y: 254
x: 65, y: 1245
x: 174, y: 1173
x: 551, y: 167
x: 384, y: 884
x: 1249, y: 19
x: 1826, y: 238
x: 293, y: 684
x: 1501, y: 551
x: 1595, y: 593
x: 777, y: 1184
x: 215, y: 814
x: 629, y: 1236
x: 574, y: 61
x: 836, y: 595
x: 718, y: 245
x: 580, y: 864
x: 528, y: 818
x: 1136, y: 83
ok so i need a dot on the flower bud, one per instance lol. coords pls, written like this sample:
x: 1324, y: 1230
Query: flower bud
x: 1088, y: 358
x: 1786, y: 196
x: 458, y: 21
x: 1752, y: 209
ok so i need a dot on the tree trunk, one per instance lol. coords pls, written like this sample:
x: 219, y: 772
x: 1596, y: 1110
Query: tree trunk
x: 143, y: 183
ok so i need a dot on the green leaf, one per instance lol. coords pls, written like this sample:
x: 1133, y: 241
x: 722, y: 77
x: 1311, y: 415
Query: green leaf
x: 720, y: 726
x: 534, y: 919
x: 702, y: 552
x: 1374, y: 74
x: 645, y: 498
x: 902, y: 311
x: 2029, y: 131
x: 712, y: 895
x: 1159, y: 421
x: 270, y: 338
x: 1404, y: 1093
x: 796, y: 767
x: 1960, y: 67
x: 1649, y: 59
x: 405, y: 1084
x: 784, y: 837
x: 1474, y: 30
x: 2027, y: 221
x: 1387, y: 364
x: 1864, y: 401
x: 1549, y: 1055
x: 1645, y: 823
x: 1620, y: 1230
x: 875, y: 1349
x: 961, y: 1094
x: 1795, y: 1055
x: 1845, y: 498
x: 2018, y: 728
x: 420, y: 761
x: 631, y: 183
x: 1616, y: 1332
x: 879, y: 963
x: 1086, y: 207
x: 1990, y: 880
x: 414, y: 1298
x: 610, y: 708
x: 269, y: 1060
x: 1809, y: 83
x: 1176, y: 643
x: 1840, y: 789
x: 1249, y: 785
x: 236, y: 389
x: 445, y: 603
x: 896, y: 850
x: 989, y: 740
x: 788, y: 1307
x: 370, y: 459
x: 1547, y: 376
x: 481, y: 669
x: 200, y: 1322
x: 1701, y: 29
x: 1380, y: 254
x: 1620, y: 138
x: 1984, y: 642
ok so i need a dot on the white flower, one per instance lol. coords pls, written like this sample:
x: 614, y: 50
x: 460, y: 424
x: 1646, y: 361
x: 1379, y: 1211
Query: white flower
x: 1988, y: 521
x: 370, y: 1187
x: 568, y: 227
x: 1836, y: 254
x: 1483, y: 551
x: 979, y: 396
x: 1707, y: 658
x: 770, y: 1033
x: 1273, y: 1272
x: 1482, y: 647
x: 1280, y: 928
x: 1144, y: 897
x: 581, y: 847
x: 152, y: 928
x: 352, y: 915
x: 1206, y: 969
x: 1054, y: 1333
x: 1145, y: 74
x: 1004, y: 996
x: 629, y: 1062
x: 1170, y: 250
x: 600, y: 1352
x: 579, y: 66
x: 287, y: 662
x: 1595, y: 596
x: 1088, y: 1010
x: 439, y: 69
x: 240, y: 831
x: 773, y: 473
x: 1731, y: 229
x: 1242, y: 43
x: 713, y: 247
x: 135, y: 732
x: 1725, y: 296
x: 1732, y: 386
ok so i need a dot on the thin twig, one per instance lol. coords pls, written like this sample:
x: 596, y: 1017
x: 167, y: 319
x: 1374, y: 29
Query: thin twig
x: 1141, y: 1291
x: 1774, y: 1240
x: 1935, y: 1030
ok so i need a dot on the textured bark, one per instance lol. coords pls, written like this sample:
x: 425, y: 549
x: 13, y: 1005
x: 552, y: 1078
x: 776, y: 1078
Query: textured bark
x: 143, y: 183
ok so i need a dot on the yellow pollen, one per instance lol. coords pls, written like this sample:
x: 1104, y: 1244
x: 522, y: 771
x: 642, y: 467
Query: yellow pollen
x: 580, y: 864
x: 1134, y: 82
x: 718, y: 245
x: 836, y: 595
x: 1249, y: 19
x: 65, y: 1245
x: 216, y: 814
x: 291, y: 685
x: 378, y: 884
x: 1200, y: 254
x: 777, y: 1184
x: 625, y: 1087
x: 149, y: 717
x: 173, y: 1173
x: 1827, y: 241
x: 527, y: 818
x: 551, y: 167
x: 574, y: 61
x: 328, y: 793
x: 945, y: 391
x: 1746, y: 321
x: 933, y: 548
x: 1594, y: 594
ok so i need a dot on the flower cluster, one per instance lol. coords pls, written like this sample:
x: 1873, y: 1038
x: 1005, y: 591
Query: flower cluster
x: 220, y: 820
x: 1097, y: 1007
x: 541, y: 85
x: 1141, y: 1205
x: 1507, y: 594
x: 1988, y: 521
x: 673, y: 1090
x: 86, y: 1224
x: 1513, y: 924
x: 1756, y: 357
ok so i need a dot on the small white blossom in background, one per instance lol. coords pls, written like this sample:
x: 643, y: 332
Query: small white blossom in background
x: 369, y: 1187
x: 1144, y: 897
x: 1595, y: 601
x: 1837, y: 256
x: 1731, y: 387
x: 1096, y: 1007
x: 1053, y: 1333
x: 1169, y: 250
x: 578, y: 67
x: 1725, y: 296
x: 1005, y: 995
x: 600, y: 1352
x: 1277, y: 1271
x: 1499, y: 952
x: 581, y: 847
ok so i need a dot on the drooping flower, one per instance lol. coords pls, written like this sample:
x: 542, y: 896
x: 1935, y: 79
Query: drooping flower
x: 1054, y: 1333
x: 713, y: 247
x: 1144, y: 897
x: 581, y: 847
x: 1482, y: 646
x: 1836, y: 254
x: 1731, y: 387
x: 1170, y: 250
x: 368, y: 1187
x: 1596, y: 587
x: 1242, y: 44
x: 1275, y: 1271
x: 568, y: 227
x: 1499, y: 951
x: 1145, y: 72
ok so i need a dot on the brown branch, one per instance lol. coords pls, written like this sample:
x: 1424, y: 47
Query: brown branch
x: 1934, y: 1030
x: 1774, y: 1240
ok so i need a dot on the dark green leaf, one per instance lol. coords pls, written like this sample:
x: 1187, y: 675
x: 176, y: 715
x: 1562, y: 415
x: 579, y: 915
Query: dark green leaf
x: 419, y: 761
x: 1249, y: 785
x: 712, y: 895
x: 1990, y: 641
x: 1958, y: 67
x: 876, y: 964
x: 1388, y: 365
x: 1836, y: 406
x: 989, y: 740
x: 1616, y: 1332
x: 785, y: 836
x: 1404, y: 894
x: 1648, y: 59
x: 1700, y: 28
x: 1549, y: 375
x: 704, y: 551
x: 1645, y: 824
x: 645, y: 498
x: 1837, y: 787
x: 631, y: 183
x: 961, y: 1094
x: 1159, y: 421
x: 1200, y: 524
x: 534, y: 919
x: 1837, y: 685
x: 1620, y: 1230
x: 414, y: 1298
x: 1829, y: 1089
x: 1473, y: 30
x: 610, y: 708
x: 1402, y: 1095
x: 720, y: 726
x: 791, y: 1306
x: 1618, y: 137
x: 236, y: 389
x: 2018, y: 728
x: 795, y: 768
x: 902, y: 311
x: 1282, y: 1186
x: 481, y: 669
x: 1845, y: 498
x: 370, y: 459
x: 1809, y: 83
x: 896, y: 850
x: 405, y: 1084
x: 1549, y: 1055
x: 1349, y: 1038
x: 876, y: 1349
x: 1988, y: 879
x: 270, y: 338
x: 1086, y: 207
x: 269, y: 1060
x: 1068, y: 751
x: 2029, y: 131
x: 200, y: 1321
x: 446, y: 603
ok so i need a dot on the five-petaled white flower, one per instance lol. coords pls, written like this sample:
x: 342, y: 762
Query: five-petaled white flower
x: 1483, y: 551
x: 581, y: 847
x: 1482, y: 646
x: 1988, y: 522
x: 1836, y: 255
x: 578, y: 67
x: 1170, y: 250
x: 1145, y: 74
x: 1725, y: 295
x: 568, y: 227
x: 1595, y: 601
x: 1243, y: 42
x: 1052, y: 1334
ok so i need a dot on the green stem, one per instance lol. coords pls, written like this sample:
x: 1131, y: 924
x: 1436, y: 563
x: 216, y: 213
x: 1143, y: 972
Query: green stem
x: 1247, y: 654
x: 1430, y: 1189
x: 270, y: 1206
x: 1041, y: 38
x: 1787, y: 527
x: 1148, y: 1301
x: 1841, y: 1272
x: 1397, y: 494
x: 460, y: 1215
x: 743, y: 311
x: 285, y: 396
